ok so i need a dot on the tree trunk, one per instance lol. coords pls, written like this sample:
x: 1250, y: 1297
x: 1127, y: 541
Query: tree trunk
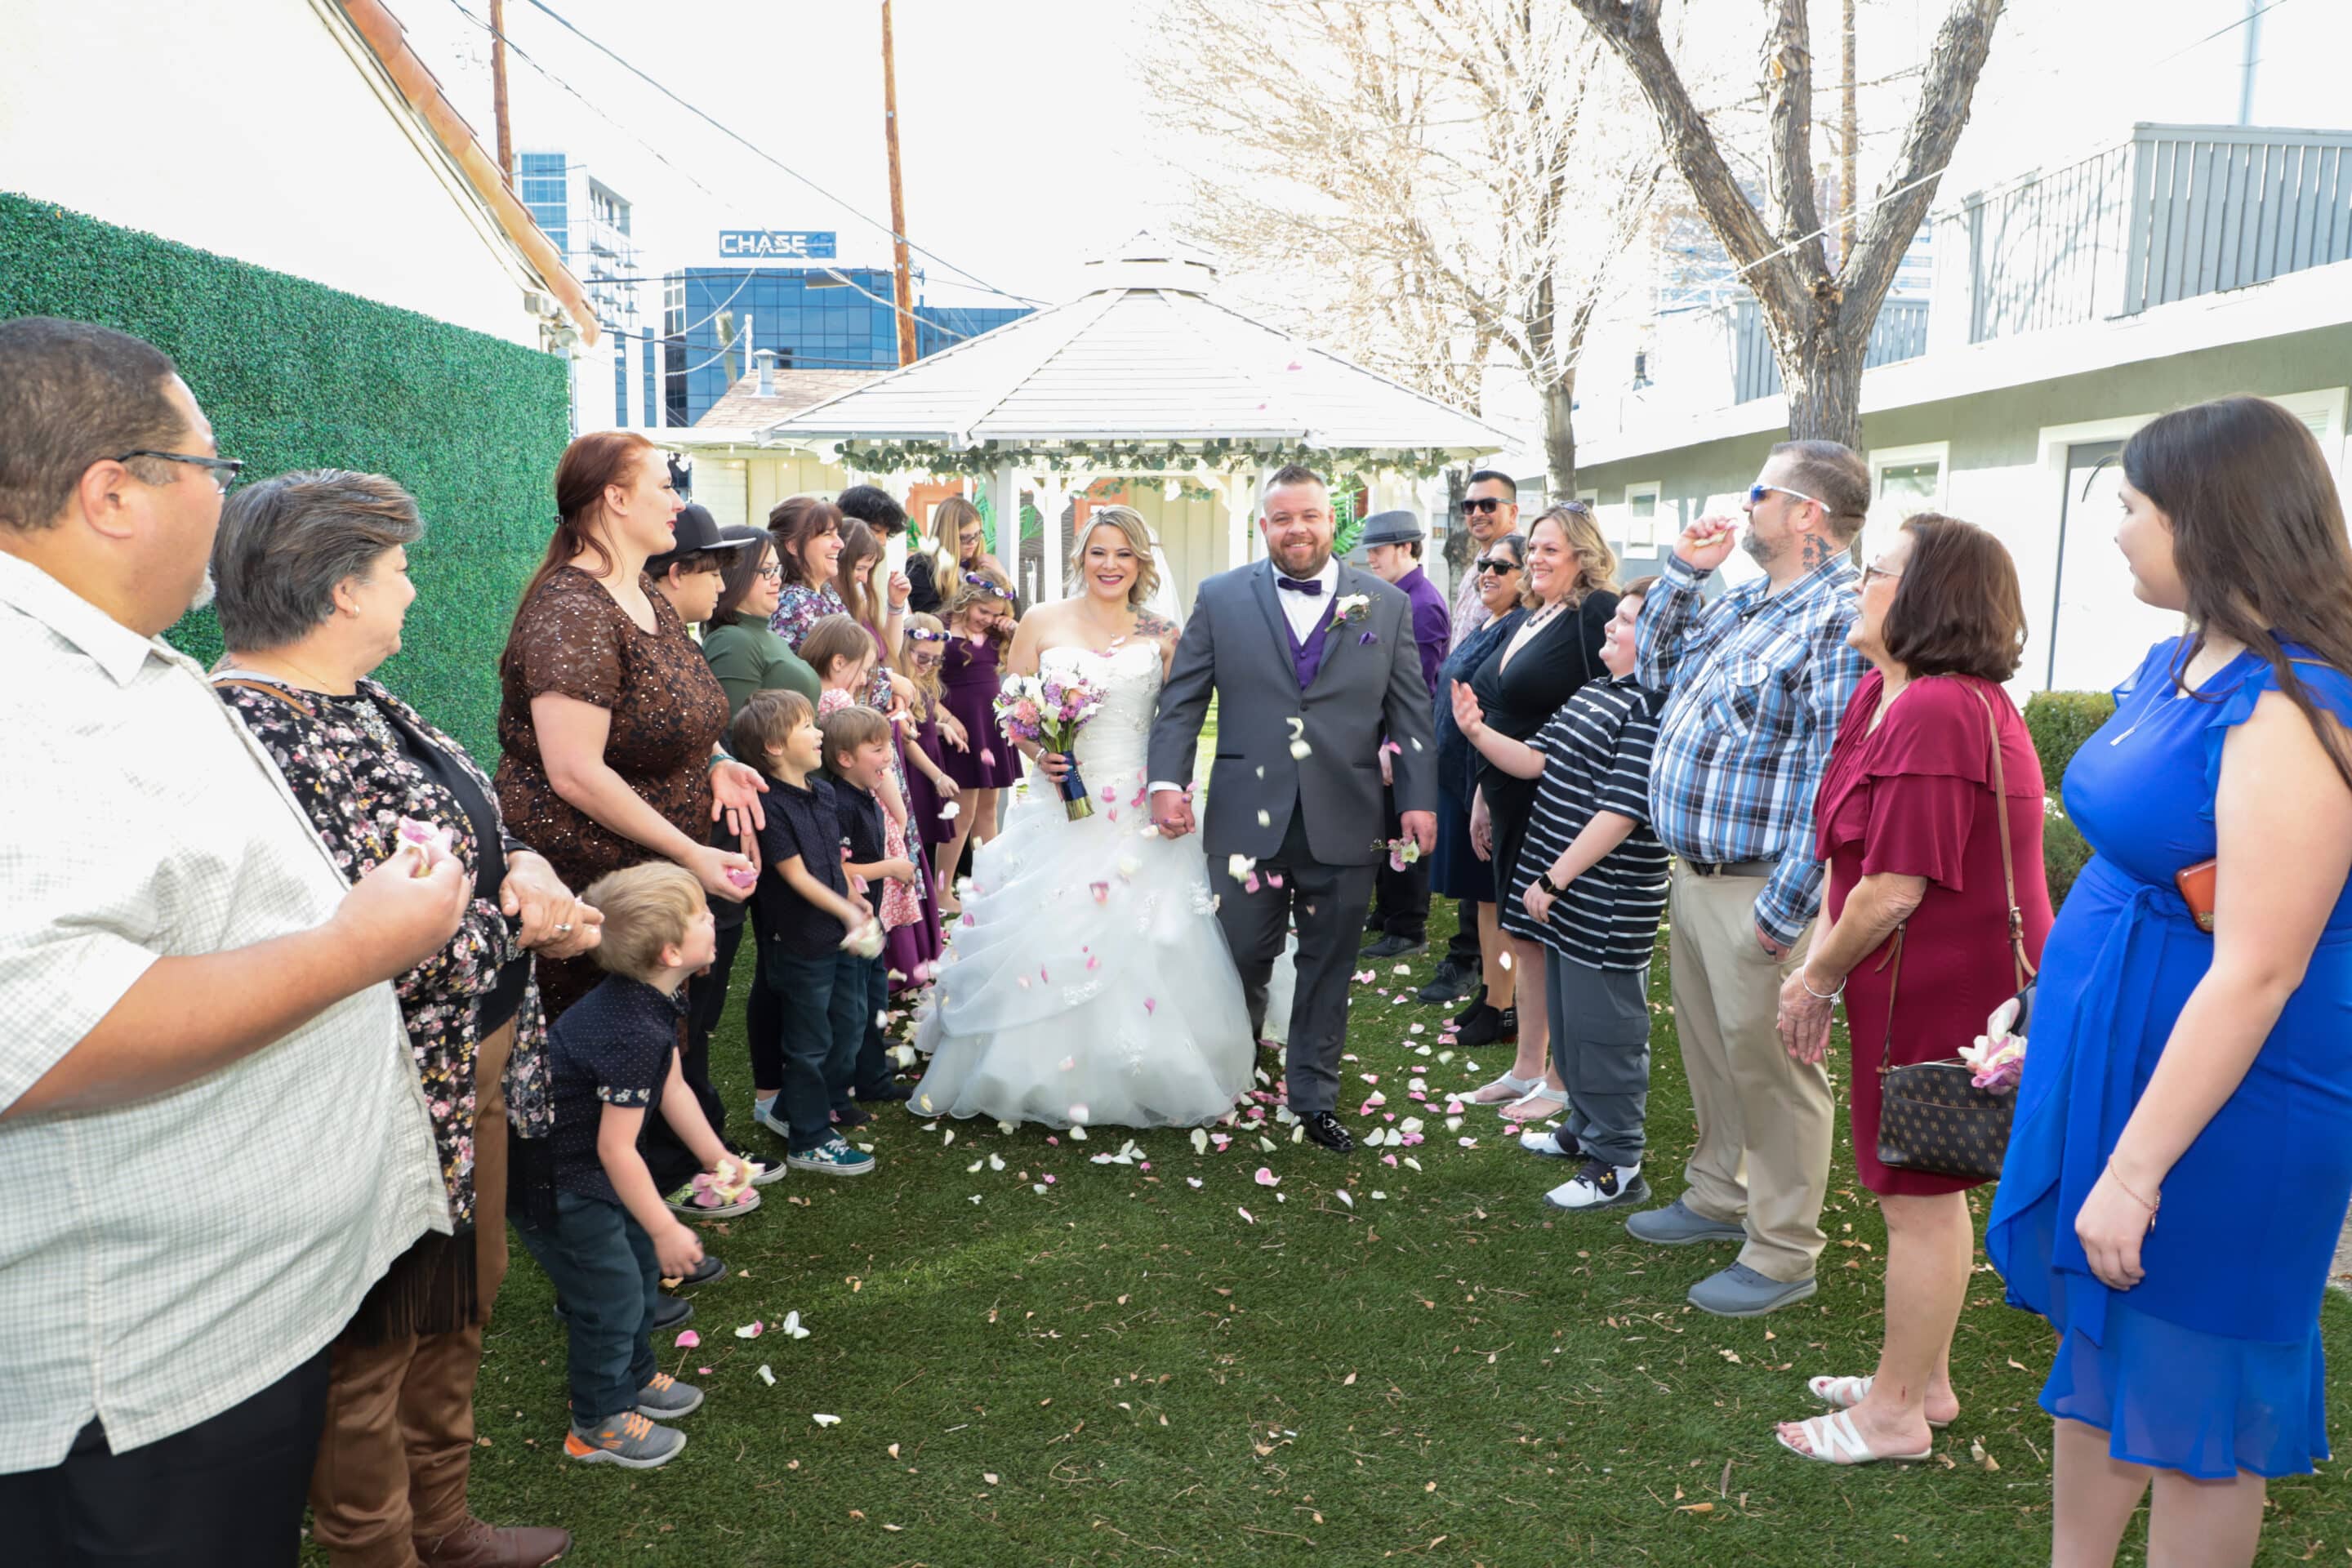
x: 1559, y: 436
x: 1824, y: 388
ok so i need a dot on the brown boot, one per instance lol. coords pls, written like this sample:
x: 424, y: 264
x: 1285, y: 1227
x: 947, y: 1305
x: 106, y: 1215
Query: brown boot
x: 474, y: 1544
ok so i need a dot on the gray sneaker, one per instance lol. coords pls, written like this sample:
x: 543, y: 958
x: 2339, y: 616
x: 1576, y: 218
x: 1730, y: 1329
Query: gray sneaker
x: 666, y: 1399
x: 1740, y: 1292
x: 628, y: 1439
x: 1678, y: 1225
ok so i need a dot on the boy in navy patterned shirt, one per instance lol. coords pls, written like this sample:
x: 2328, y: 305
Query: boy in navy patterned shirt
x: 857, y: 761
x: 616, y: 1061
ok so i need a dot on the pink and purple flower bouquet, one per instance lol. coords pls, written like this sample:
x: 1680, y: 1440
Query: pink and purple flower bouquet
x: 1048, y: 712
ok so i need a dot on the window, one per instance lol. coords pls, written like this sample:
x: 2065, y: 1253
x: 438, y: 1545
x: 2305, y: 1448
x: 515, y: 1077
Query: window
x: 1906, y: 480
x: 1641, y: 509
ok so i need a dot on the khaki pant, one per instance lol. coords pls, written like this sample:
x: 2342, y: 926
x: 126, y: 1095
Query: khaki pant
x: 1764, y: 1121
x: 399, y: 1416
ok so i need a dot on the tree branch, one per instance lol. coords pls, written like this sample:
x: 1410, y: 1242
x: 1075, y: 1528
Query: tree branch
x: 1788, y: 146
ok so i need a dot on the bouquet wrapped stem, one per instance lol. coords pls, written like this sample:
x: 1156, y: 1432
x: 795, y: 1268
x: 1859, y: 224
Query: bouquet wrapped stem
x: 1048, y: 712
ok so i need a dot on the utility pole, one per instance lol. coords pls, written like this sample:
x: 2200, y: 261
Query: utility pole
x: 903, y: 287
x: 499, y: 90
x: 2249, y: 60
x: 1847, y: 136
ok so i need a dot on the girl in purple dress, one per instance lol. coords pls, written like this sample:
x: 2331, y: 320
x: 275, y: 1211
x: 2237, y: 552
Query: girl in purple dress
x: 980, y: 629
x: 929, y: 786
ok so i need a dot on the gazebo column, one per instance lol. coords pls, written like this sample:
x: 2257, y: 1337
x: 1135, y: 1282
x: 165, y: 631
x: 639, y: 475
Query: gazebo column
x: 1005, y: 509
x: 1052, y: 496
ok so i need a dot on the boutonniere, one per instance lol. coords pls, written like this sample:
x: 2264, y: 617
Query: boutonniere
x: 1349, y: 609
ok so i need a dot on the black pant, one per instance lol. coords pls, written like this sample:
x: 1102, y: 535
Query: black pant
x: 1328, y: 902
x: 225, y: 1493
x: 874, y: 1072
x: 671, y: 1162
x: 1401, y: 899
x: 1462, y: 952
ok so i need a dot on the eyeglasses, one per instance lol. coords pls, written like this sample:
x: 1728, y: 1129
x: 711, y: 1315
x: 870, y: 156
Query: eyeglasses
x: 772, y: 571
x: 1874, y: 570
x: 1756, y: 494
x: 1489, y: 505
x: 1495, y: 568
x: 225, y: 470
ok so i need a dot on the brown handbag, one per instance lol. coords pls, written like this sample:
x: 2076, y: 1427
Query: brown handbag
x: 1932, y: 1118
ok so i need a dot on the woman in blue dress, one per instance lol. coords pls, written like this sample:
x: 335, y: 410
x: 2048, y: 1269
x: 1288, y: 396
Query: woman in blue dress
x: 2206, y: 1076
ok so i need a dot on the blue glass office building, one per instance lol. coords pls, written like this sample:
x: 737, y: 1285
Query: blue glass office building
x: 815, y: 318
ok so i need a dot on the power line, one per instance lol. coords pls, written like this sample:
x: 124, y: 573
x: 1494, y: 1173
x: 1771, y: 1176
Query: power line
x: 762, y: 153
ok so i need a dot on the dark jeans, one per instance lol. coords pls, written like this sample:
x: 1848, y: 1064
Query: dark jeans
x: 609, y: 1281
x: 672, y: 1163
x: 1401, y: 899
x: 822, y: 1006
x: 872, y: 1073
x: 225, y: 1493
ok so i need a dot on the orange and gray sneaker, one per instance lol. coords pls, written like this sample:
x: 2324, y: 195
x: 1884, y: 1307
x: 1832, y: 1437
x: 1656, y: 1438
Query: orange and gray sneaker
x: 628, y: 1439
x: 665, y: 1398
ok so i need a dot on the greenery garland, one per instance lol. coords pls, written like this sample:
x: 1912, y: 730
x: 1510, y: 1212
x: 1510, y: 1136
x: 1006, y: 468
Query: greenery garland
x: 941, y: 460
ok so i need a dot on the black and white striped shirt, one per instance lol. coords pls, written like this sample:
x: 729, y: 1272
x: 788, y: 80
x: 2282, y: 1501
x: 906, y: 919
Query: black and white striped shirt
x: 1596, y: 758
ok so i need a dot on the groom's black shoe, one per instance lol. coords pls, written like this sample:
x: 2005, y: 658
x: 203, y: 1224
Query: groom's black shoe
x: 1324, y: 1128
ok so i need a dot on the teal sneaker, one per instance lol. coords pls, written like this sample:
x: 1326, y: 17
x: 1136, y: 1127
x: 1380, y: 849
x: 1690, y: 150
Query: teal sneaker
x: 833, y: 1158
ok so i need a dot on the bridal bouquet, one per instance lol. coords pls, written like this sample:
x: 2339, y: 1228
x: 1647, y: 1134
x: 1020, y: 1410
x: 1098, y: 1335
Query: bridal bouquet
x: 1048, y: 712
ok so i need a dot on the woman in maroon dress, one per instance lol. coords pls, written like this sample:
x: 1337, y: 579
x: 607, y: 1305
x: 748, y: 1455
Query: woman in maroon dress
x: 1910, y: 830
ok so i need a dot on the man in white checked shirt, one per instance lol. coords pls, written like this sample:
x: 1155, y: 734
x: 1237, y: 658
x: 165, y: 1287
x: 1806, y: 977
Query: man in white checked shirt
x: 192, y: 992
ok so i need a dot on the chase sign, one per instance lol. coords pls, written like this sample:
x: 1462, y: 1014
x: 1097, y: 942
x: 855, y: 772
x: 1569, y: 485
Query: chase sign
x: 776, y: 244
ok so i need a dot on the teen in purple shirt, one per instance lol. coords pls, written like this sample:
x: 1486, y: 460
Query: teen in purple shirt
x: 1393, y: 546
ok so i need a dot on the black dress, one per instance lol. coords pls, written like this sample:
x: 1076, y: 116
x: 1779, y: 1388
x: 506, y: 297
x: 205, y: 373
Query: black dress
x: 1549, y: 670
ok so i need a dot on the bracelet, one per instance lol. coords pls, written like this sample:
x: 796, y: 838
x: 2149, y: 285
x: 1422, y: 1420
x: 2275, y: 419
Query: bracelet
x: 1820, y: 996
x: 2150, y: 1207
x: 714, y: 760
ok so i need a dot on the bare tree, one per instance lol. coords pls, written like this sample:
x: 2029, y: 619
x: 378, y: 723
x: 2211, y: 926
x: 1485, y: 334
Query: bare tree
x: 1431, y: 181
x: 1819, y: 320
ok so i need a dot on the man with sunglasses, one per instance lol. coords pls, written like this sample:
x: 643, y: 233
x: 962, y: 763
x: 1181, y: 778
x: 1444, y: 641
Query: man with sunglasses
x: 1490, y: 508
x: 192, y: 988
x: 1758, y: 679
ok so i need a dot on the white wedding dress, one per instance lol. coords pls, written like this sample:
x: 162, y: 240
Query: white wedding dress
x: 1088, y: 981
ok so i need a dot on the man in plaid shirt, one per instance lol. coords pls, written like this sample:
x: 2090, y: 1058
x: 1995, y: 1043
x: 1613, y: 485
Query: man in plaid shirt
x: 1759, y: 679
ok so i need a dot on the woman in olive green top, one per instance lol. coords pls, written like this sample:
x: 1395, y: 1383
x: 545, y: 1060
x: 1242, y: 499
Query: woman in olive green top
x: 745, y: 654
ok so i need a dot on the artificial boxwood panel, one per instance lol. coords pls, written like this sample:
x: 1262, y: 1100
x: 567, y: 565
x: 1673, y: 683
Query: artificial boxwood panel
x: 297, y: 375
x: 2059, y: 721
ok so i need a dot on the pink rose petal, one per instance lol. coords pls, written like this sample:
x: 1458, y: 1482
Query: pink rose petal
x: 689, y: 1339
x: 1265, y: 1178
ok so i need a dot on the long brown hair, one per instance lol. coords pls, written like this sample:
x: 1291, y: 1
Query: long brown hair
x: 2257, y: 538
x: 592, y: 462
x: 1596, y: 563
x: 794, y: 521
x: 851, y: 572
x: 947, y: 520
x: 742, y: 571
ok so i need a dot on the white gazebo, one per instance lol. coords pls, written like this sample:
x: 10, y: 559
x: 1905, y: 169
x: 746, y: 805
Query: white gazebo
x: 1147, y: 378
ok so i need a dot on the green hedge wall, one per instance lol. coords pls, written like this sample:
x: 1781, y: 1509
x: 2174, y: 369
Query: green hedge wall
x: 297, y: 375
x: 2059, y: 721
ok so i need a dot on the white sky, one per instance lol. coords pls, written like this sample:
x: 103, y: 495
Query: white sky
x: 1025, y: 148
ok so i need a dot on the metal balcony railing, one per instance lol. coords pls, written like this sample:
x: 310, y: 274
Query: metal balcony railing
x: 1899, y: 334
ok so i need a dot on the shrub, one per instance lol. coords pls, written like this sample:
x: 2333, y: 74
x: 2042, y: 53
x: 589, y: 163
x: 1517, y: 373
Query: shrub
x: 2059, y: 721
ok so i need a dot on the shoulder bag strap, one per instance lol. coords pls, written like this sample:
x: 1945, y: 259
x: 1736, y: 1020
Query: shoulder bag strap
x: 2024, y: 965
x: 267, y: 690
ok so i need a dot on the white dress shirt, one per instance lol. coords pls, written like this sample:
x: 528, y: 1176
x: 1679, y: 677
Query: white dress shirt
x: 164, y: 1261
x: 1301, y: 610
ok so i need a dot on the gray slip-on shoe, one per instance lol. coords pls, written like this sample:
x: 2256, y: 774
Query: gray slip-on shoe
x: 1678, y: 1224
x: 1740, y: 1292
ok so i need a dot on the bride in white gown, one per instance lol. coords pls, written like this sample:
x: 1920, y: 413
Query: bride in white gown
x: 1087, y: 982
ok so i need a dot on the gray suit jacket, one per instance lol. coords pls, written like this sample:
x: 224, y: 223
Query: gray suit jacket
x: 1237, y: 647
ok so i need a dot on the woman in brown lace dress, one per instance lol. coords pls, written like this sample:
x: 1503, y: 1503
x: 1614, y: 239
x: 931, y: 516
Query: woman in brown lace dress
x: 608, y: 716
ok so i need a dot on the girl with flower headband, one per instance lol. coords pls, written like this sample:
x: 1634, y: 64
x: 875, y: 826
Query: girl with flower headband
x: 929, y: 787
x: 980, y: 620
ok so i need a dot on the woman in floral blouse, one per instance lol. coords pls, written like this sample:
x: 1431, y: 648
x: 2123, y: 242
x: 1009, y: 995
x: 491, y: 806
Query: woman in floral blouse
x: 314, y: 584
x: 808, y: 547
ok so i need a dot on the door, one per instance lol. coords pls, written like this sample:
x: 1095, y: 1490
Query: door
x: 2098, y: 628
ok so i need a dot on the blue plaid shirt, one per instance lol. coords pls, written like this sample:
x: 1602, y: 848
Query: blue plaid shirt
x: 1758, y: 687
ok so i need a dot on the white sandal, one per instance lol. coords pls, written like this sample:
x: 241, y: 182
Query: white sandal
x: 1845, y: 1393
x: 1831, y: 1440
x: 1553, y: 1100
x: 1515, y: 1088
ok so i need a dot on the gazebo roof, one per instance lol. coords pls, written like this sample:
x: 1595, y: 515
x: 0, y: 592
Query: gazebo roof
x: 1145, y: 355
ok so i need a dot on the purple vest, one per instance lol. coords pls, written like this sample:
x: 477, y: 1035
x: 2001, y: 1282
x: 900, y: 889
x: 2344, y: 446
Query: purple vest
x: 1306, y: 657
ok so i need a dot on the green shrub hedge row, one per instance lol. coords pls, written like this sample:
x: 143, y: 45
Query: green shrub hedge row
x: 297, y: 375
x: 2059, y: 721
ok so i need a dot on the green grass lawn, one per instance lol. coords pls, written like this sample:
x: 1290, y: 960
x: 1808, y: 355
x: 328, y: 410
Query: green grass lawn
x: 1124, y: 1368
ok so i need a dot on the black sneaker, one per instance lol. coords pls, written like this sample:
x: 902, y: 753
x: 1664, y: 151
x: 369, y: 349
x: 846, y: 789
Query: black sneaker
x: 1396, y: 947
x: 1324, y: 1128
x: 709, y: 1272
x: 892, y: 1090
x: 1488, y: 1026
x: 852, y: 1116
x: 1470, y: 1008
x: 1450, y: 984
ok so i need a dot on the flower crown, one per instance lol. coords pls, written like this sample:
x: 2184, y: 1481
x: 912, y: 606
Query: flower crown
x: 978, y: 581
x: 919, y: 634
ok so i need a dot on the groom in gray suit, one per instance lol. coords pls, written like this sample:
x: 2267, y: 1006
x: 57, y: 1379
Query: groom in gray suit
x: 1314, y: 667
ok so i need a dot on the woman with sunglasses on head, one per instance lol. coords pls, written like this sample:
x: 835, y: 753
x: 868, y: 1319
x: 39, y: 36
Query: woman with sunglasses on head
x: 1456, y: 871
x: 1571, y: 595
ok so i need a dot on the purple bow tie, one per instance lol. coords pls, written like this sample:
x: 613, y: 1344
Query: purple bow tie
x: 1312, y: 589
